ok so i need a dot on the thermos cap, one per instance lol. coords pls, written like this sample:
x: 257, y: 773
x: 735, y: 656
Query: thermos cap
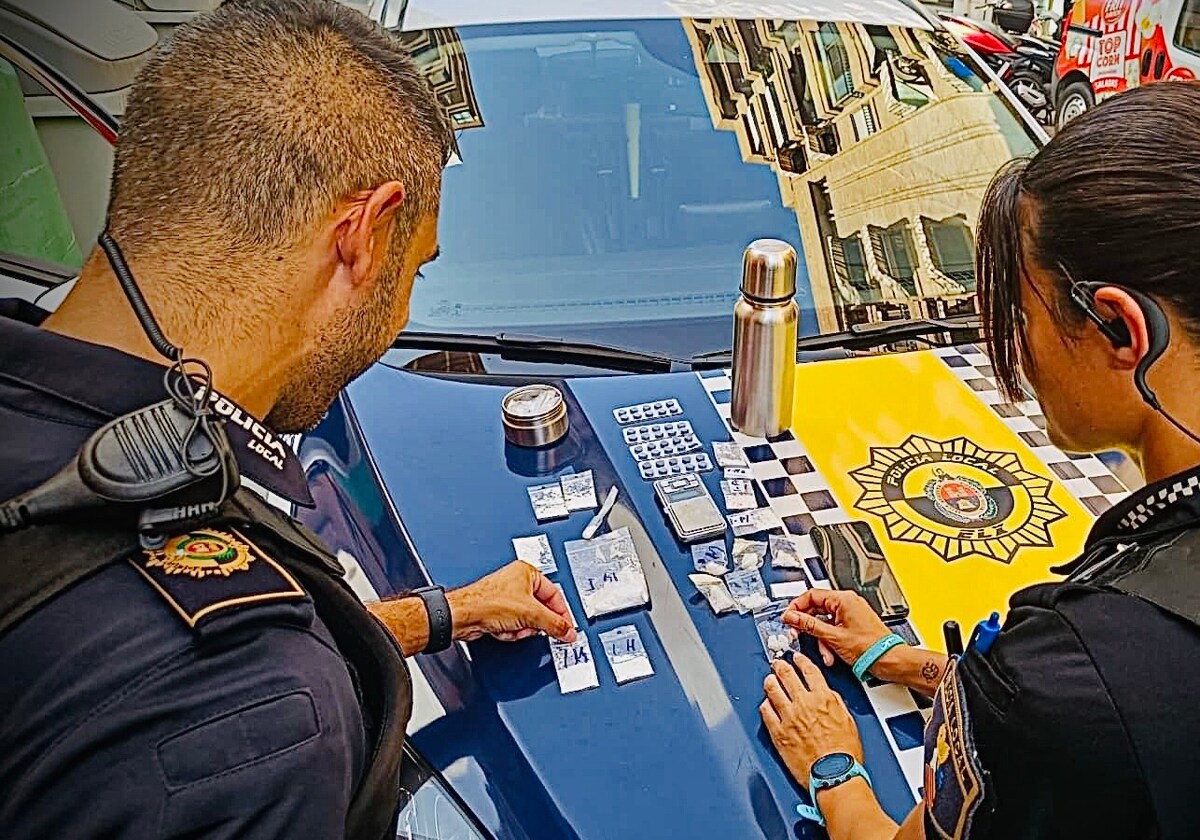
x: 769, y: 270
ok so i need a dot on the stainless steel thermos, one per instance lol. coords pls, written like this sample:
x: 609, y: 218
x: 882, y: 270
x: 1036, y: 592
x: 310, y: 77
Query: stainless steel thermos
x: 764, y: 340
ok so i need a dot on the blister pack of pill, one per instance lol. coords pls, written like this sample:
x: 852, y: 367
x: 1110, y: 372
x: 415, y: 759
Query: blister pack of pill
x: 657, y: 431
x: 665, y: 448
x: 675, y: 465
x: 647, y: 411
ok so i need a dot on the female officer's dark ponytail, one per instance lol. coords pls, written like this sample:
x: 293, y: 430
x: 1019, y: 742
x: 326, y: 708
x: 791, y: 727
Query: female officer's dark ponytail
x: 1113, y: 198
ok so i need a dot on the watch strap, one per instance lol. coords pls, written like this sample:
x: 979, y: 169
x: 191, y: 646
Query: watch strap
x: 441, y: 625
x: 812, y: 812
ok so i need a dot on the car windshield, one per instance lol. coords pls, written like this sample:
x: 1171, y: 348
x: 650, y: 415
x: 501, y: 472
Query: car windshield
x: 608, y: 175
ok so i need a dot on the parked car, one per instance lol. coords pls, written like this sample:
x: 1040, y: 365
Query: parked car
x: 1112, y: 45
x: 610, y: 168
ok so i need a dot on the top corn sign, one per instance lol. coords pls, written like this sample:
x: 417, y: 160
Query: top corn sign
x: 1107, y: 71
x: 1108, y: 62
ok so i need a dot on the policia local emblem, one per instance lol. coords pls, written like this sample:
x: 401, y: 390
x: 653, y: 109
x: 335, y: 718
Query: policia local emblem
x: 206, y: 575
x: 201, y: 553
x: 957, y: 498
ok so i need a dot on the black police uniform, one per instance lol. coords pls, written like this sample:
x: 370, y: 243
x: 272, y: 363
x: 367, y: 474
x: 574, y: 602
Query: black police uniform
x: 1083, y: 721
x: 227, y: 686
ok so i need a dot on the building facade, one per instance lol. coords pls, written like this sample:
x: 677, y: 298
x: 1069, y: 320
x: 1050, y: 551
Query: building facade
x: 883, y: 141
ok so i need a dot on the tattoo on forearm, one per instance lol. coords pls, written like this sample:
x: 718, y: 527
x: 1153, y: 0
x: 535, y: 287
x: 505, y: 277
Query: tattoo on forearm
x: 931, y: 671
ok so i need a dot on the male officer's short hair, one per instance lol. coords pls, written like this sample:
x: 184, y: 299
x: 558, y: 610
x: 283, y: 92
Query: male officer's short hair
x: 254, y: 119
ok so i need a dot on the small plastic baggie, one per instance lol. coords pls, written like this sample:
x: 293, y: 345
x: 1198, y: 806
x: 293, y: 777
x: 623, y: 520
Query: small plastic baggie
x: 777, y: 638
x: 626, y: 655
x: 748, y: 590
x: 711, y: 558
x: 715, y: 592
x: 607, y: 573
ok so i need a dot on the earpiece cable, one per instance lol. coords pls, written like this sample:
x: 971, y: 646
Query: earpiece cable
x: 188, y: 381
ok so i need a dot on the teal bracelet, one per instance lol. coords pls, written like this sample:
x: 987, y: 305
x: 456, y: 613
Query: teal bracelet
x: 871, y: 655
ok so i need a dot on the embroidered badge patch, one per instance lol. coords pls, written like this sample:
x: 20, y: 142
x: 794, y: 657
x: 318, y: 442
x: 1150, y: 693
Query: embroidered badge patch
x: 201, y: 553
x: 205, y: 573
x: 953, y: 775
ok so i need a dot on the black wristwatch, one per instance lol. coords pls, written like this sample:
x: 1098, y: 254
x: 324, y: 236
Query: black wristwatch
x: 441, y: 626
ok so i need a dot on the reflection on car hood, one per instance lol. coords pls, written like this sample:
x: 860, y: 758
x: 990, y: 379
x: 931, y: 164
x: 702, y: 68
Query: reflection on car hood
x: 425, y: 14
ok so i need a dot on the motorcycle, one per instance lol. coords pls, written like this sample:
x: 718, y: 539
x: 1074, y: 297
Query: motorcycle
x: 1029, y: 72
x: 1025, y: 63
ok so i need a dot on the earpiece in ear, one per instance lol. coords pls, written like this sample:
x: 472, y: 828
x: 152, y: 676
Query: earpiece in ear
x: 1116, y: 332
x: 1158, y: 335
x: 1083, y: 295
x: 1158, y: 330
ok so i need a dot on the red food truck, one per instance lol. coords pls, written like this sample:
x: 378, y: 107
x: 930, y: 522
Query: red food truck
x: 1111, y: 45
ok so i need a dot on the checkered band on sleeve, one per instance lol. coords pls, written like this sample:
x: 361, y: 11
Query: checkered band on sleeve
x: 1144, y: 511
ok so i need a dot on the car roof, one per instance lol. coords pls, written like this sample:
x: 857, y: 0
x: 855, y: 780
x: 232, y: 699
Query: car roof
x: 427, y: 14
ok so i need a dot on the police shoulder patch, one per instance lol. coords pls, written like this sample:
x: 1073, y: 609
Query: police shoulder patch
x: 954, y: 778
x: 208, y: 572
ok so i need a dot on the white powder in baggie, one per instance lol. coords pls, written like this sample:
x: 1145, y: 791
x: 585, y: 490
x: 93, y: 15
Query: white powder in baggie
x: 777, y: 638
x: 629, y: 661
x: 778, y: 644
x: 785, y: 553
x: 625, y: 592
x: 535, y: 551
x: 748, y: 554
x: 607, y: 573
x: 579, y: 491
x: 547, y: 501
x: 748, y: 590
x: 714, y: 591
x: 573, y: 665
x: 711, y: 558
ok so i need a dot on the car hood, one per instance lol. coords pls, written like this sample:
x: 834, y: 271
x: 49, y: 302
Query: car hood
x: 969, y: 499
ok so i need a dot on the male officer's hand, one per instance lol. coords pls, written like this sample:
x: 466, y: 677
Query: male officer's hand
x: 514, y: 602
x: 805, y: 718
x: 852, y: 626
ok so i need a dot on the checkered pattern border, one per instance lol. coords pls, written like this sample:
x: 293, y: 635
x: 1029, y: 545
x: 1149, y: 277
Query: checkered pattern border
x: 1085, y: 477
x: 1145, y: 510
x: 787, y: 480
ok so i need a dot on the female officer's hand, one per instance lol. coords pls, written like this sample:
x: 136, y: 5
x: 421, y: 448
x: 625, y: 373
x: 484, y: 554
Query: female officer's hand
x: 805, y: 718
x: 852, y: 626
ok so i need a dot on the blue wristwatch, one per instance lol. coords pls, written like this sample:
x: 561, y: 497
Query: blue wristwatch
x: 829, y: 771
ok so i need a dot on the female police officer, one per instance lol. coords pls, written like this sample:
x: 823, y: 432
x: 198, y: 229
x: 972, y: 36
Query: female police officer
x: 1082, y: 720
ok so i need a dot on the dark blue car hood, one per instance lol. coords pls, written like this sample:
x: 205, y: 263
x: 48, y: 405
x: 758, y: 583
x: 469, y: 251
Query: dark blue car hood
x: 436, y: 494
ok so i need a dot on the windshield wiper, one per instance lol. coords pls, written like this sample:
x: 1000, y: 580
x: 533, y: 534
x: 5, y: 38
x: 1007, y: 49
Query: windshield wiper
x: 860, y: 337
x: 536, y: 348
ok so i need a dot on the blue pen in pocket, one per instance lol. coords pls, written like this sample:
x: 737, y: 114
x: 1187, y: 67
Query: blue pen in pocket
x: 985, y: 634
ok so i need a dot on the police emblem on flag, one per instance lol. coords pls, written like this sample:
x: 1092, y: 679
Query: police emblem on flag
x: 201, y: 553
x: 957, y: 498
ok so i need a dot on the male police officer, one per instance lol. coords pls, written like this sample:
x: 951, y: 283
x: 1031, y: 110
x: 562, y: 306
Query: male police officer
x: 275, y: 191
